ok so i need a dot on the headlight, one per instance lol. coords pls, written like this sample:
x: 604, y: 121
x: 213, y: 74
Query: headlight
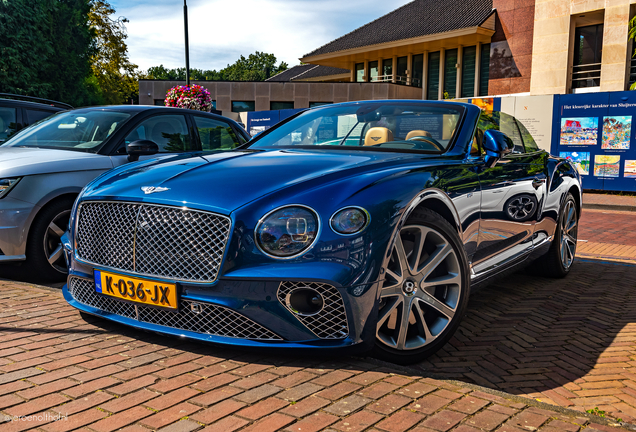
x: 287, y: 232
x: 350, y: 220
x: 7, y: 184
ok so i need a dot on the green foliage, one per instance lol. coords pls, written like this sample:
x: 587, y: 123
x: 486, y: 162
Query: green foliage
x: 45, y: 49
x: 116, y: 76
x: 256, y: 67
x: 596, y: 411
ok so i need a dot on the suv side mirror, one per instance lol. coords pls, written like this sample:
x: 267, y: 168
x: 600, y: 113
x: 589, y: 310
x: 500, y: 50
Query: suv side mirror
x: 497, y: 145
x: 141, y: 148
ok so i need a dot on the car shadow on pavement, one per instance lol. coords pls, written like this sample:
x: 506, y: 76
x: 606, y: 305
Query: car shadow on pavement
x: 566, y: 341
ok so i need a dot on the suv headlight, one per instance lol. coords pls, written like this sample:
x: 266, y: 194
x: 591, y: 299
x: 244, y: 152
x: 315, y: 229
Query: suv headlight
x: 287, y: 232
x: 7, y: 184
x: 349, y: 220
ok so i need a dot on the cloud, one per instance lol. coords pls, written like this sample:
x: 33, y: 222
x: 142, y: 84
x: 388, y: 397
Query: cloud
x: 220, y: 31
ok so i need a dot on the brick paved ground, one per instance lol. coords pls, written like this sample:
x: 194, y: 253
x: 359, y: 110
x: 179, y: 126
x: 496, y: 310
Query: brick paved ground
x: 609, y: 235
x: 570, y: 343
x: 607, y: 201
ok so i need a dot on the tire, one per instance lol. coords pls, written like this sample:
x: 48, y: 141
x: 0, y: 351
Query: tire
x: 435, y: 308
x: 44, y: 241
x: 557, y: 262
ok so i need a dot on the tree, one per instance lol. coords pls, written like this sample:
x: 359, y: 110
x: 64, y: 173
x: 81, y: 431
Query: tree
x: 116, y: 76
x: 45, y: 49
x: 256, y: 67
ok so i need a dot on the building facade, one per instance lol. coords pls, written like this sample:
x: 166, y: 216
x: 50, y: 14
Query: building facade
x: 429, y: 49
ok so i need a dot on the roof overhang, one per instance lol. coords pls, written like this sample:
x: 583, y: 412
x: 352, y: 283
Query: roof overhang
x: 345, y: 76
x: 448, y: 40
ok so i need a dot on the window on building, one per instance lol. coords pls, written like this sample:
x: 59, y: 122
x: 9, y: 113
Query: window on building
x: 387, y: 67
x: 450, y: 73
x: 588, y: 48
x: 373, y: 70
x: 402, y: 66
x: 484, y: 70
x: 359, y: 72
x: 243, y: 106
x: 432, y: 90
x: 159, y: 102
x: 418, y: 70
x: 632, y: 72
x: 317, y: 104
x: 469, y: 57
x: 275, y: 106
x: 216, y: 134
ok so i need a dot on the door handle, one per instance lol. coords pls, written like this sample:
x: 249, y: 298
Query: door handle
x: 536, y: 183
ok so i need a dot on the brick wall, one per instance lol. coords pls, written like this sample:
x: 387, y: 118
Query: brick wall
x: 514, y: 33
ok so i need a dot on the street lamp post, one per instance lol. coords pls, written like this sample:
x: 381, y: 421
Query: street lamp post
x: 187, y: 48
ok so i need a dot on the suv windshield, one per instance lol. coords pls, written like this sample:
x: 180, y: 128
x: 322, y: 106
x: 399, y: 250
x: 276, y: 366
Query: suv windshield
x: 373, y: 126
x: 71, y: 130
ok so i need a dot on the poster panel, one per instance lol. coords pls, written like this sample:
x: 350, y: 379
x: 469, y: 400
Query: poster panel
x: 597, y: 127
x: 259, y: 121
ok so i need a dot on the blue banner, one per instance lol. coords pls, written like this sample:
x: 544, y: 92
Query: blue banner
x: 594, y: 131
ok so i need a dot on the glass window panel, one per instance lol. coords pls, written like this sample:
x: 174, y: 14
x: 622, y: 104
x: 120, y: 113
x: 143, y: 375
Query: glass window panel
x: 484, y: 70
x: 387, y: 67
x: 216, y: 134
x: 373, y: 70
x: 402, y: 65
x: 418, y: 70
x: 8, y: 123
x: 450, y: 73
x: 159, y: 102
x: 359, y: 72
x: 34, y: 116
x: 243, y: 106
x: 588, y: 50
x: 169, y: 132
x: 432, y: 90
x: 469, y: 56
x: 275, y: 106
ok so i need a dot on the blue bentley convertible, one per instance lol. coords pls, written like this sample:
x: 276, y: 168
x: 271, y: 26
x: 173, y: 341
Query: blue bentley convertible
x: 358, y: 226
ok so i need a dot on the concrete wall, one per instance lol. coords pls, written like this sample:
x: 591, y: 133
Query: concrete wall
x: 554, y: 24
x: 262, y: 93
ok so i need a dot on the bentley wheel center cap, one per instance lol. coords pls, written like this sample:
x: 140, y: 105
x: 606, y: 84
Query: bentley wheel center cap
x: 409, y: 288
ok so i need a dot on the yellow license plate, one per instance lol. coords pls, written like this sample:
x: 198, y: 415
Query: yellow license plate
x: 136, y: 290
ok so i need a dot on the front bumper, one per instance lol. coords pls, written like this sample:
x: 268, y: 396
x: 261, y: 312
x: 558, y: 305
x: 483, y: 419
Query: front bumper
x: 239, y: 313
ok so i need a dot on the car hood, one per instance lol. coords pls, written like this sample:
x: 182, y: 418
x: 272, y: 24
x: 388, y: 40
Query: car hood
x: 225, y: 181
x: 21, y: 161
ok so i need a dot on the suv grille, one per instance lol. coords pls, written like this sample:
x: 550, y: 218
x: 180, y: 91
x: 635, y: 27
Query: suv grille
x: 152, y: 240
x: 331, y: 321
x: 209, y: 319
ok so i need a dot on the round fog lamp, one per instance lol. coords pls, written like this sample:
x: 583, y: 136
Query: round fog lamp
x: 350, y: 220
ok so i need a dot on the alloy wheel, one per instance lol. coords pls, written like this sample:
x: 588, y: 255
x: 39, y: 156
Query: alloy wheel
x: 53, y: 241
x: 569, y: 229
x: 422, y: 289
x: 521, y: 207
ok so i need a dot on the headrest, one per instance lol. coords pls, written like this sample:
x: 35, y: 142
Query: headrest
x: 378, y: 135
x: 416, y: 133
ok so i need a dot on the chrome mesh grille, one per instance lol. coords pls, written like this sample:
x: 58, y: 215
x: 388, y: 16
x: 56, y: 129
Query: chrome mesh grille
x: 331, y: 321
x: 210, y: 319
x: 152, y: 240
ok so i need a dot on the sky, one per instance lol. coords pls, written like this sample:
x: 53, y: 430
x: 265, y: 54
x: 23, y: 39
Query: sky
x: 222, y: 31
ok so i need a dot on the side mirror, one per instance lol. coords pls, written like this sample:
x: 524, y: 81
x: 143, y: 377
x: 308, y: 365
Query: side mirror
x: 141, y: 148
x: 497, y: 145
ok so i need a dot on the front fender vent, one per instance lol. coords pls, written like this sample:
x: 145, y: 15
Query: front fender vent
x: 328, y: 323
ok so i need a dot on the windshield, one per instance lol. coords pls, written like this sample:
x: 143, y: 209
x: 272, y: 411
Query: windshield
x: 71, y: 130
x: 372, y: 126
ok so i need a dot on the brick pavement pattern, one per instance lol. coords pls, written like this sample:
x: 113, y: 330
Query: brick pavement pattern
x: 608, y: 235
x: 569, y: 342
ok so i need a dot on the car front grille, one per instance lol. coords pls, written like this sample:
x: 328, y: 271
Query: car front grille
x: 152, y: 240
x: 331, y: 321
x: 193, y: 316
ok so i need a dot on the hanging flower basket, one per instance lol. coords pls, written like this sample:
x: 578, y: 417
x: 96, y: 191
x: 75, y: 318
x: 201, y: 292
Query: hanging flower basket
x: 193, y: 97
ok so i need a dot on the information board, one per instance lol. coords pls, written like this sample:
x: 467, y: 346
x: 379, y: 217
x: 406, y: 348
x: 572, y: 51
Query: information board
x: 595, y: 132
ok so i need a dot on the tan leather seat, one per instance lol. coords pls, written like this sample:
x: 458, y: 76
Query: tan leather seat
x: 378, y: 135
x: 416, y: 133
